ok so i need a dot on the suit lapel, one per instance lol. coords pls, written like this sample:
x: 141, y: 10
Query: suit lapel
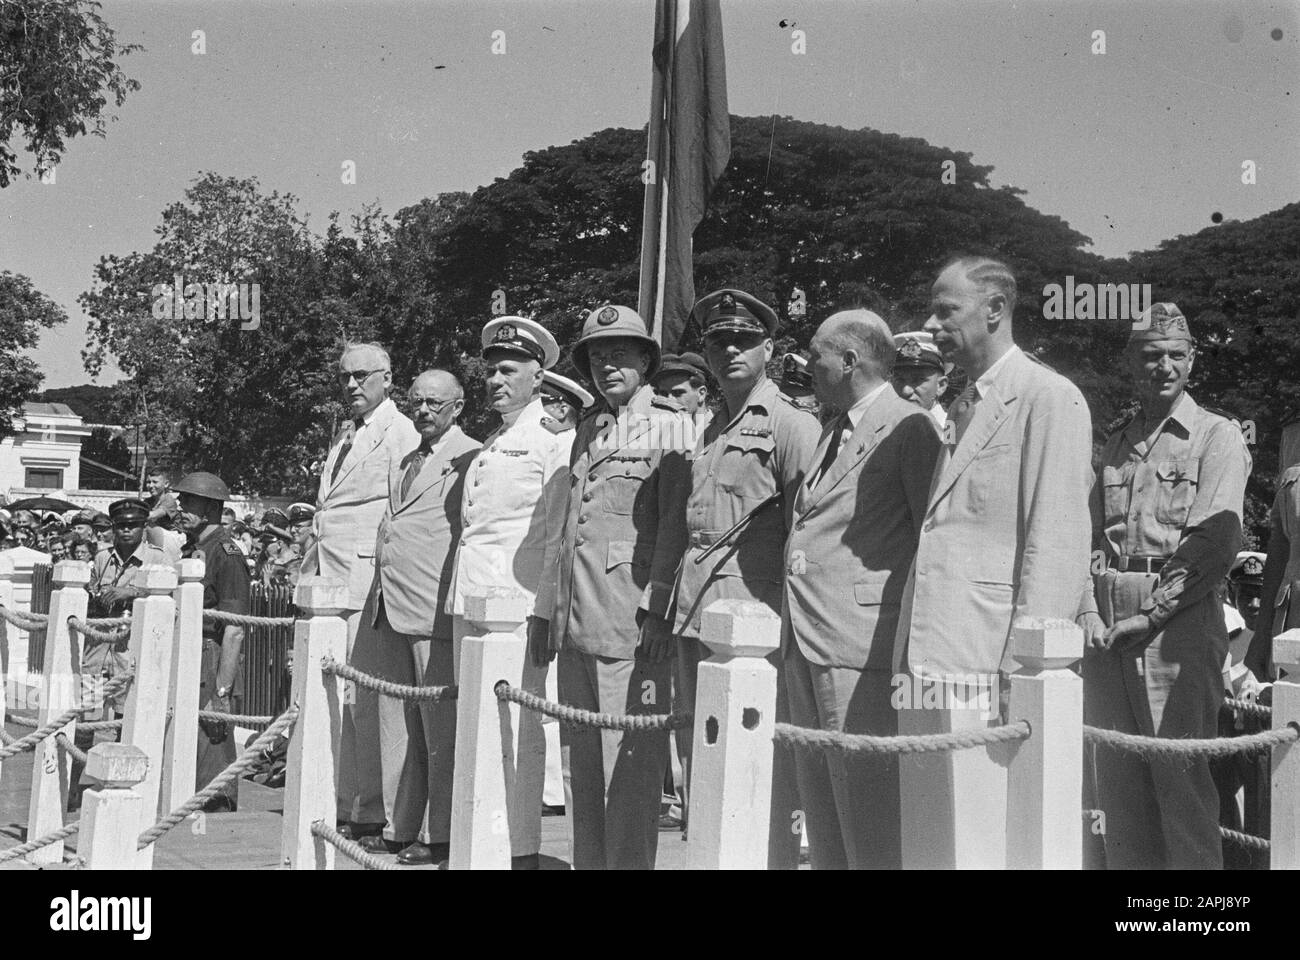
x: 990, y: 413
x: 434, y: 469
x: 802, y: 500
x: 865, y: 438
x: 374, y: 437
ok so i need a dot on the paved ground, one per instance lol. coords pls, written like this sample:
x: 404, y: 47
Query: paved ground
x: 250, y: 839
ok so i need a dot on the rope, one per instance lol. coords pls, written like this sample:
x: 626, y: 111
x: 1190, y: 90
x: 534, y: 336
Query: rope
x: 24, y: 621
x: 241, y: 619
x: 251, y: 756
x: 33, y: 739
x: 386, y: 687
x: 588, y: 718
x: 77, y: 625
x: 1210, y: 747
x: 30, y: 723
x: 349, y: 848
x: 13, y: 853
x: 1246, y: 840
x: 74, y: 751
x: 803, y: 738
x: 6, y: 737
x: 109, y: 621
x: 243, y: 719
x: 1249, y: 707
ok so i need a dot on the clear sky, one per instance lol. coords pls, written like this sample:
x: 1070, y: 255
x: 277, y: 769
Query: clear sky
x: 1131, y: 147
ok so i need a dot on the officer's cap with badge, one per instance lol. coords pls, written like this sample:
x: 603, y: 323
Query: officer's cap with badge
x: 1248, y: 568
x: 83, y: 516
x: 557, y: 387
x: 301, y: 513
x: 131, y: 512
x: 1160, y: 321
x: 917, y: 350
x: 689, y: 363
x: 608, y: 321
x: 520, y: 337
x: 734, y: 311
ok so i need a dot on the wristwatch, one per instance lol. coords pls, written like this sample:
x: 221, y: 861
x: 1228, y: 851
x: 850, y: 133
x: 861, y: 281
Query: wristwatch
x: 223, y: 692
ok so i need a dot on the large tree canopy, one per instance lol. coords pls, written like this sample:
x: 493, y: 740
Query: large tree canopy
x: 24, y: 312
x: 58, y: 67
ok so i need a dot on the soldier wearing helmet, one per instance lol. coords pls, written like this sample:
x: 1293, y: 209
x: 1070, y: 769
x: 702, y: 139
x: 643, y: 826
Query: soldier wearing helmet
x: 623, y: 538
x: 225, y: 588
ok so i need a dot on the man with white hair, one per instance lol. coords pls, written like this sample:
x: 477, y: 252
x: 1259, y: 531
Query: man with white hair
x: 350, y: 503
x: 857, y: 518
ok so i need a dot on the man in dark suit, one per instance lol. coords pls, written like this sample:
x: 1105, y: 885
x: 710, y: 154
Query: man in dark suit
x: 406, y: 611
x: 857, y: 518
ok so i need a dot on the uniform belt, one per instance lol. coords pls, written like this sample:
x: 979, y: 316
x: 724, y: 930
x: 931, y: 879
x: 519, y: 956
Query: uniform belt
x: 706, y: 538
x: 1128, y: 564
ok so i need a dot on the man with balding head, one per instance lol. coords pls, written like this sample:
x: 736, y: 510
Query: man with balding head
x: 1006, y: 536
x: 351, y: 500
x: 406, y: 622
x: 857, y: 517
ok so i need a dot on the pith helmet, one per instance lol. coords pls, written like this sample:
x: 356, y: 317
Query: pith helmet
x: 614, y: 321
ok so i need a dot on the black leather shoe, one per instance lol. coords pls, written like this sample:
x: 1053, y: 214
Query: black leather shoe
x: 419, y: 855
x: 355, y: 831
x: 375, y: 843
x: 528, y: 861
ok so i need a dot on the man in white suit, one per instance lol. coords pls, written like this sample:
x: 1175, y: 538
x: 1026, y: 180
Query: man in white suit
x: 405, y: 620
x: 352, y: 497
x: 513, y: 515
x: 857, y: 517
x: 1006, y: 535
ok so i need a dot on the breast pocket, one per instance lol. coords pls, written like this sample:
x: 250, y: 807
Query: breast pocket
x: 992, y: 477
x: 1176, y: 490
x: 745, y: 468
x: 1114, y: 488
x: 626, y: 487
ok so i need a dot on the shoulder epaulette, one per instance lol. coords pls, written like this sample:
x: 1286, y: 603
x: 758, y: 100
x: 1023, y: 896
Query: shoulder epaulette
x: 1220, y: 412
x: 666, y: 403
x: 1045, y: 366
x: 553, y: 425
x: 230, y: 548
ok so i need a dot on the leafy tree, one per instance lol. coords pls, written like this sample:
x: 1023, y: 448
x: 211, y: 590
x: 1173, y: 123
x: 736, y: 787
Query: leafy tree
x: 107, y: 447
x: 94, y: 404
x: 24, y: 312
x: 57, y: 70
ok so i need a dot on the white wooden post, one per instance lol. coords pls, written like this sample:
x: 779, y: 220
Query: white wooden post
x: 321, y: 632
x: 60, y: 692
x: 1284, y: 830
x: 179, y: 755
x: 144, y: 722
x: 111, y: 813
x: 6, y: 632
x: 1045, y: 781
x: 731, y: 759
x: 485, y: 761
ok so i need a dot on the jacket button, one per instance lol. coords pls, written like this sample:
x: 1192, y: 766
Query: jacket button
x: 799, y: 525
x: 583, y: 518
x: 591, y: 478
x: 586, y: 498
x: 578, y: 541
x: 929, y: 525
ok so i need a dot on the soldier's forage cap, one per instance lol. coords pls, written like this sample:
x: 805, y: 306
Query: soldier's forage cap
x: 1160, y: 321
x: 301, y: 513
x: 520, y: 337
x: 83, y: 516
x: 1247, y: 568
x: 794, y: 372
x: 691, y: 363
x: 562, y: 388
x: 730, y: 310
x: 275, y: 517
x: 101, y: 521
x: 124, y: 513
x: 611, y: 320
x: 203, y: 484
x: 917, y: 349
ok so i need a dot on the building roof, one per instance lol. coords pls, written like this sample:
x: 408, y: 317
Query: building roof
x: 34, y: 409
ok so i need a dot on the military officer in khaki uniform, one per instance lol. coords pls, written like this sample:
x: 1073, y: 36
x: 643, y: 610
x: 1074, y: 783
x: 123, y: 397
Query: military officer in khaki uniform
x: 622, y: 540
x: 1166, y: 513
x: 745, y: 470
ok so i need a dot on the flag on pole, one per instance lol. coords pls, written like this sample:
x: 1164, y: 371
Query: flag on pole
x: 688, y: 147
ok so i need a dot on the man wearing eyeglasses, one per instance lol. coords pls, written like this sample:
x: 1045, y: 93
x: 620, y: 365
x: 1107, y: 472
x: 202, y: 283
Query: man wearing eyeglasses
x: 350, y: 503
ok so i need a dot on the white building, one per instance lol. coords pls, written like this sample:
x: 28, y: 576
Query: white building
x: 43, y: 456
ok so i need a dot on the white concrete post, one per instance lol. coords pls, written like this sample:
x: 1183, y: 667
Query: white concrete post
x: 60, y: 692
x: 6, y: 633
x: 485, y: 761
x: 1045, y: 780
x: 111, y: 813
x: 144, y: 722
x: 321, y: 632
x: 179, y: 755
x: 731, y: 759
x: 1284, y: 835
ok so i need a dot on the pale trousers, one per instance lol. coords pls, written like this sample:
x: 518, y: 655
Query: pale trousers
x: 523, y: 728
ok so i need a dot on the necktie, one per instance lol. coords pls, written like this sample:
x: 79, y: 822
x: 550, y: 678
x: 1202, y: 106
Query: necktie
x: 832, y: 446
x: 963, y: 410
x: 345, y: 449
x: 413, y: 470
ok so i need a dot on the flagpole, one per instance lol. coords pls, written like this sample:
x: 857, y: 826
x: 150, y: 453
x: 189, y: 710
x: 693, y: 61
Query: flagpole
x: 653, y: 205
